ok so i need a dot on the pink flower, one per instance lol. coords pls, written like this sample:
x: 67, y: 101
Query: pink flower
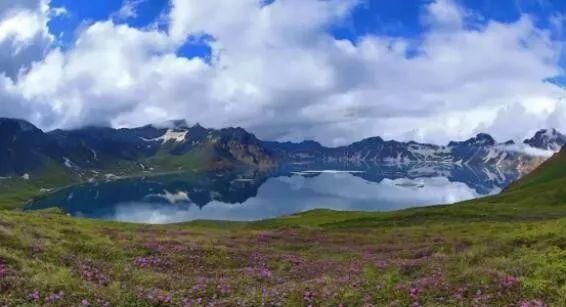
x: 4, y: 269
x: 508, y: 282
x: 54, y: 297
x: 156, y: 296
x: 308, y: 296
x: 151, y: 262
x: 265, y: 273
x: 90, y: 272
x: 33, y: 296
x: 414, y: 293
x: 532, y: 303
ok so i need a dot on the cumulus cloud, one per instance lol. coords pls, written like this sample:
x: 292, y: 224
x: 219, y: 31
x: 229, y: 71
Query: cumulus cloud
x: 24, y: 36
x: 515, y: 121
x: 115, y: 75
x: 444, y: 14
x: 276, y: 70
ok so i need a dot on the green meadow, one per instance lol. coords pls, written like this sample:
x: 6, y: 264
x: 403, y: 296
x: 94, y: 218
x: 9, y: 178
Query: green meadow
x: 505, y: 250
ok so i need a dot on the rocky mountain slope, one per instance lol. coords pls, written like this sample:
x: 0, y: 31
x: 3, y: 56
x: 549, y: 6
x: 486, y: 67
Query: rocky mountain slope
x: 479, y: 150
x: 548, y: 139
x: 26, y: 149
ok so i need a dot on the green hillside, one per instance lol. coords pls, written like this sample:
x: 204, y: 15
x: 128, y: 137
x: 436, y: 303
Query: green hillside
x: 506, y: 250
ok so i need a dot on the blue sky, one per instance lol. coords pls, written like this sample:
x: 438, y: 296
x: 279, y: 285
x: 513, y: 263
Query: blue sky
x: 334, y: 71
x: 380, y: 17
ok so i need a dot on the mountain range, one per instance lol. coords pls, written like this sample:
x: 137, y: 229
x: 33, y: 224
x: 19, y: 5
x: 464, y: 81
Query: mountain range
x: 26, y: 150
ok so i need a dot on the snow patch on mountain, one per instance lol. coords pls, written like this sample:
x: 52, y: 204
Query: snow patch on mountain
x: 68, y: 163
x: 171, y: 135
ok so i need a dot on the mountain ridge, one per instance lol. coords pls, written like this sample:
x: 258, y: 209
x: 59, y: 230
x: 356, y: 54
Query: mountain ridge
x: 150, y: 146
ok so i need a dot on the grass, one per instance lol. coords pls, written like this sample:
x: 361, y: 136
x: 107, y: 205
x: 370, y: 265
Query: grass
x: 198, y: 158
x: 506, y: 250
x: 14, y: 192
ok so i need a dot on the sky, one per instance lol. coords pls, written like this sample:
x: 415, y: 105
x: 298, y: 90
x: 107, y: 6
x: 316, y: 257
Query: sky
x: 335, y: 71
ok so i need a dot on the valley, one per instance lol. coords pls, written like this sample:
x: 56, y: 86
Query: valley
x: 282, y: 153
x: 503, y: 250
x: 33, y: 162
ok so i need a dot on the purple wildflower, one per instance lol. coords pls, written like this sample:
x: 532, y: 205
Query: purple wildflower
x: 532, y: 303
x: 156, y: 296
x: 186, y: 303
x: 481, y: 298
x: 154, y: 246
x: 151, y: 262
x: 33, y: 296
x: 508, y: 282
x: 224, y: 287
x: 264, y: 237
x: 265, y: 273
x: 90, y: 273
x: 308, y: 296
x: 260, y: 270
x: 460, y: 292
x: 200, y: 285
x: 414, y: 293
x: 294, y: 260
x: 4, y: 269
x: 54, y: 297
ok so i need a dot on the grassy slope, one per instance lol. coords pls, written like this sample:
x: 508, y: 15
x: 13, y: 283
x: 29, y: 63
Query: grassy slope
x: 499, y: 251
x: 197, y: 159
x: 15, y: 192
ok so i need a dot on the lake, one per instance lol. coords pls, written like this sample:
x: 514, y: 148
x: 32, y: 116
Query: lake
x: 251, y: 195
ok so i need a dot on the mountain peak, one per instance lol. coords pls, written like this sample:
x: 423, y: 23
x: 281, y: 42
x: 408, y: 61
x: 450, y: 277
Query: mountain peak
x: 481, y: 139
x: 547, y: 139
x: 198, y: 126
x: 372, y: 140
x: 179, y: 123
x: 16, y: 124
x: 485, y: 138
x: 171, y: 124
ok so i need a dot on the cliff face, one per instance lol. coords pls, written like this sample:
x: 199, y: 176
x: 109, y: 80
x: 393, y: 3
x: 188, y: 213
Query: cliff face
x: 244, y: 147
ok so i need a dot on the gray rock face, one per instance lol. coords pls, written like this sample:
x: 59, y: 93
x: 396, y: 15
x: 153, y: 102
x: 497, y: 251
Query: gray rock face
x: 548, y: 139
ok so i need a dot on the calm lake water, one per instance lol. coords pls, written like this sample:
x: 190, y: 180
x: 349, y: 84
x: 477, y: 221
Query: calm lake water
x: 253, y: 196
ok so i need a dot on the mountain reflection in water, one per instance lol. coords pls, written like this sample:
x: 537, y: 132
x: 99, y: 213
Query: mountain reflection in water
x: 252, y: 195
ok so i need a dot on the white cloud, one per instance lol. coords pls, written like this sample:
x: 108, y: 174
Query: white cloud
x: 526, y: 149
x: 24, y: 36
x: 445, y: 14
x: 557, y: 118
x: 128, y: 10
x: 113, y: 75
x: 59, y: 11
x: 277, y: 71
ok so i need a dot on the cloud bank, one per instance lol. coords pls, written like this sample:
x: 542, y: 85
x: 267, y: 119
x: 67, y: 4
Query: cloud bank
x: 276, y: 69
